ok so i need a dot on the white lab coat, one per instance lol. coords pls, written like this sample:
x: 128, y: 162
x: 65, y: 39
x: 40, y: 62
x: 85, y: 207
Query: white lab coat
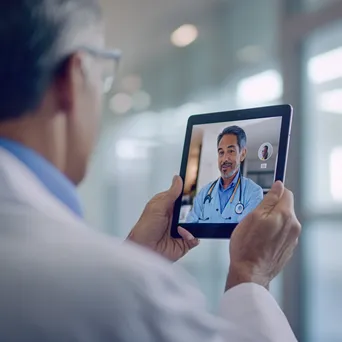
x: 62, y: 281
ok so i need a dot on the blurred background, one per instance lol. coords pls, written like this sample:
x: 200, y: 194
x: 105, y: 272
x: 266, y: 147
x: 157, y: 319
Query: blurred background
x: 185, y: 57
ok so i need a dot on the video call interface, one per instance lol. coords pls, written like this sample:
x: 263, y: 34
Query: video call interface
x: 231, y: 166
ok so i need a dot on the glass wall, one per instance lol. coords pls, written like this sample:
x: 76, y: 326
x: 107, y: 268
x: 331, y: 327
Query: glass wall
x: 323, y: 183
x: 323, y: 109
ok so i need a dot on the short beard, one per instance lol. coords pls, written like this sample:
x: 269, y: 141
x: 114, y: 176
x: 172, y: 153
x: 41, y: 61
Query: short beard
x: 230, y: 174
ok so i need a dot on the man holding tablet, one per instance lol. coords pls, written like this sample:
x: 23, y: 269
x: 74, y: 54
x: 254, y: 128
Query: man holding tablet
x: 62, y: 281
x: 232, y: 197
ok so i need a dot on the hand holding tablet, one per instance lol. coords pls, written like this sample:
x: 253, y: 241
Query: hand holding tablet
x: 230, y: 160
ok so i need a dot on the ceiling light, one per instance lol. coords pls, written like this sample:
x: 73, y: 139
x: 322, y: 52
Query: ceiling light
x: 325, y: 67
x: 184, y: 35
x: 335, y: 174
x: 331, y: 101
x: 260, y: 89
x: 121, y: 103
x: 141, y: 101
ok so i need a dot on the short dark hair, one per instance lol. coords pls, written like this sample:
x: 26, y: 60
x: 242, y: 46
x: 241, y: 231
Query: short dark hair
x: 266, y: 147
x: 35, y: 37
x: 238, y: 132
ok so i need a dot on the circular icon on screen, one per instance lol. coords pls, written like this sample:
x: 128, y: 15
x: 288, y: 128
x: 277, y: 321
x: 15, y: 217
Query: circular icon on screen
x: 265, y: 151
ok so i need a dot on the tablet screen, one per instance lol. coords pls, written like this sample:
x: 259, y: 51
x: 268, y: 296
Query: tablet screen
x: 231, y: 166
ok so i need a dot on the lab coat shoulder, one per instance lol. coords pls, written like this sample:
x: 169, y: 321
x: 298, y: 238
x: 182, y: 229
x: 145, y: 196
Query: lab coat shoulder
x: 204, y: 190
x: 252, y: 188
x: 251, y: 185
x: 198, y: 204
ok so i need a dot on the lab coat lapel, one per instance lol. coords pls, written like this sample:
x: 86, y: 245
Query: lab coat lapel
x: 216, y: 207
x: 229, y: 210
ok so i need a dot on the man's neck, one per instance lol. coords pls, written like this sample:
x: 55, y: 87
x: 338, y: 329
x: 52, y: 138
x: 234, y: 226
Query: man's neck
x: 31, y: 132
x: 227, y: 181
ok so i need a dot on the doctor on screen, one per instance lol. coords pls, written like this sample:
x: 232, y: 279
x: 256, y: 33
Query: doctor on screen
x: 231, y: 197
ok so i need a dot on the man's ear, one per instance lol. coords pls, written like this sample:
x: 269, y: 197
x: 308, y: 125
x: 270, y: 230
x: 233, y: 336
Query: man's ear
x: 69, y: 81
x: 243, y: 154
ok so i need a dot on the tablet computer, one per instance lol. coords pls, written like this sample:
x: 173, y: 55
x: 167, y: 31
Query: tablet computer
x: 230, y: 161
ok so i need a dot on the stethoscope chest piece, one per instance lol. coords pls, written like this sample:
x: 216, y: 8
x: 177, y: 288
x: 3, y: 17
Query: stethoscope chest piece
x: 239, y: 208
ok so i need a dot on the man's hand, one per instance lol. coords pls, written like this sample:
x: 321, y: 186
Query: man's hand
x: 153, y: 227
x: 264, y: 241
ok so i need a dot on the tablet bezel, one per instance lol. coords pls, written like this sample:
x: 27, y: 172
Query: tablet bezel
x: 225, y: 230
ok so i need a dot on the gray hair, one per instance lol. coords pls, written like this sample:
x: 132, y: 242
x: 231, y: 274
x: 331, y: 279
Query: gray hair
x: 35, y: 37
x: 238, y: 132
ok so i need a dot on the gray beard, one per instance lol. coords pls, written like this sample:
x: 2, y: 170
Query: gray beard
x: 230, y: 174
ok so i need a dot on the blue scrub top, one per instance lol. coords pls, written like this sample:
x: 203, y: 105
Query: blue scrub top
x: 220, y: 210
x: 54, y: 181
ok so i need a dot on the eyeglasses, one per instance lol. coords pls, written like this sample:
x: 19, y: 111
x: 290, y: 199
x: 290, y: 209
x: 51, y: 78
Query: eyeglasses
x: 111, y: 60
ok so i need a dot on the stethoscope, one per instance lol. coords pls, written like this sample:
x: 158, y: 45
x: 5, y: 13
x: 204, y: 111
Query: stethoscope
x: 239, y: 208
